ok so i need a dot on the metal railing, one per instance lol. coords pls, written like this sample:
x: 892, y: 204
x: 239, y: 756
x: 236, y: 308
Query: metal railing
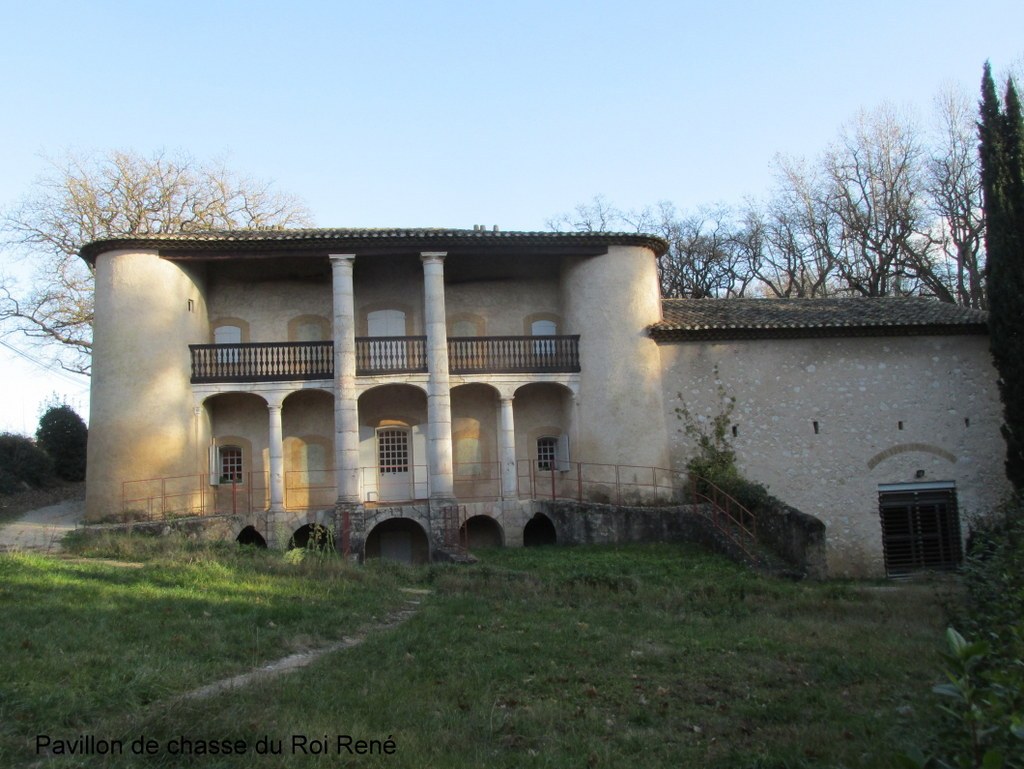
x: 157, y: 498
x: 513, y: 354
x: 294, y: 361
x: 261, y: 362
x: 390, y: 354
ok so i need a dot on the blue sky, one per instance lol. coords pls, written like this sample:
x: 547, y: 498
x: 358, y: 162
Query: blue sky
x: 458, y: 113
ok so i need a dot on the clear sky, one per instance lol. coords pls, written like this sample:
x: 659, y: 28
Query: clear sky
x: 450, y: 114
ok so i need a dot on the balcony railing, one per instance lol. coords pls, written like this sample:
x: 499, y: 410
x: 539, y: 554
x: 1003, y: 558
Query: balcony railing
x: 290, y: 361
x: 262, y: 362
x: 390, y: 354
x: 513, y: 354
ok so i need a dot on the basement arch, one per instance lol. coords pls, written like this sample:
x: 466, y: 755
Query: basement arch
x: 249, y: 536
x: 313, y: 536
x: 481, y: 531
x: 398, y: 539
x: 538, y: 531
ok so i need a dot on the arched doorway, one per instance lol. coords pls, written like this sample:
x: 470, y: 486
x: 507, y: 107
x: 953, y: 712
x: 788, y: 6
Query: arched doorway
x: 539, y: 530
x: 398, y: 539
x: 482, y: 531
x: 312, y: 536
x: 249, y: 536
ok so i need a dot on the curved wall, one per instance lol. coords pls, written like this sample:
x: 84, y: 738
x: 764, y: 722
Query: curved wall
x: 142, y: 424
x: 610, y: 300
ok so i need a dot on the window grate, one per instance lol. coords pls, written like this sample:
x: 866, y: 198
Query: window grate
x: 230, y: 464
x: 547, y: 451
x: 393, y: 451
x: 920, y: 530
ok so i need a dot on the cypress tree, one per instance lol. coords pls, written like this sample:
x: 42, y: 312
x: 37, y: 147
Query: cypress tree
x: 1001, y: 134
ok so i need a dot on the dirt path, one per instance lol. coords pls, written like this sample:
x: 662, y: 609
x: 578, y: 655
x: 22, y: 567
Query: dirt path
x: 43, y: 529
x: 297, y: 661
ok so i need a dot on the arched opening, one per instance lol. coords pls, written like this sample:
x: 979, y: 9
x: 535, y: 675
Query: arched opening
x: 398, y: 539
x: 249, y: 536
x: 538, y: 531
x: 313, y: 536
x: 482, y: 531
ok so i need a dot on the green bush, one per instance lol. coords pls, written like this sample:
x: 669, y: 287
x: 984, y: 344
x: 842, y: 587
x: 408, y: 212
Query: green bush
x: 22, y: 464
x: 63, y: 435
x: 983, y: 695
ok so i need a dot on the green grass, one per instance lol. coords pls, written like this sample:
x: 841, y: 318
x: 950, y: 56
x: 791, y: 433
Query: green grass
x: 644, y: 656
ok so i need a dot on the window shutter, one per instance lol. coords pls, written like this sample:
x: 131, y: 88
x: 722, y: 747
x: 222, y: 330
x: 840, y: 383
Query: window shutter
x: 214, y: 468
x: 562, y: 453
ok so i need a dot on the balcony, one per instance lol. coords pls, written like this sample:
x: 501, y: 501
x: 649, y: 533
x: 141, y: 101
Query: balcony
x: 375, y: 356
x: 262, y: 362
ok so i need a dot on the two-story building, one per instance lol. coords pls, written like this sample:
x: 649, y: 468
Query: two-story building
x: 399, y: 385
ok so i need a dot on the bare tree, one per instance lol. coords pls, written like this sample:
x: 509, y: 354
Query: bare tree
x: 86, y: 198
x: 953, y: 181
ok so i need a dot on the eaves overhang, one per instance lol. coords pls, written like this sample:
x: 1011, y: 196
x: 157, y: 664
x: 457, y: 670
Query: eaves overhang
x: 305, y: 243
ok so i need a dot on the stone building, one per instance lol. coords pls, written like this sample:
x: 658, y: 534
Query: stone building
x: 402, y: 385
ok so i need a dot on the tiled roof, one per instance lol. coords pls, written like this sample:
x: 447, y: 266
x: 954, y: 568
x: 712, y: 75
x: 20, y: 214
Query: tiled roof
x: 352, y: 240
x: 689, y: 319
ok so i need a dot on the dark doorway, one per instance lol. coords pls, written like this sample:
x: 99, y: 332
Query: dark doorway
x: 482, y: 531
x: 920, y: 527
x: 398, y: 539
x: 249, y: 536
x: 539, y: 530
x: 313, y: 536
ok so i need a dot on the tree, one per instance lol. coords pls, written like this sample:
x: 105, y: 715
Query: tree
x: 63, y: 436
x: 84, y: 198
x: 1000, y: 131
x: 953, y: 183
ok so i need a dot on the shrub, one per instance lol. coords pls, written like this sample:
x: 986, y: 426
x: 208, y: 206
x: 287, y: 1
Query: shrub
x: 22, y: 464
x: 63, y: 435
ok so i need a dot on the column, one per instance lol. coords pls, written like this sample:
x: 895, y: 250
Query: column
x: 439, y: 405
x: 276, y: 447
x: 507, y: 450
x: 346, y: 405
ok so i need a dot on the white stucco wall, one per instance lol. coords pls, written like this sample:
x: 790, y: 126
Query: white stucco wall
x: 142, y: 424
x: 858, y: 390
x: 610, y: 301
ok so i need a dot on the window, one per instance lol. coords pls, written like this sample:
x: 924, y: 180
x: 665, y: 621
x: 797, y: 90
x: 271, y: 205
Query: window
x: 920, y: 527
x: 387, y: 354
x: 230, y: 464
x: 227, y: 335
x: 544, y: 348
x: 393, y: 451
x: 547, y: 453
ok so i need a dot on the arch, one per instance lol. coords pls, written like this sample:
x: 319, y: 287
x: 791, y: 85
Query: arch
x: 312, y: 536
x: 548, y: 321
x: 905, y: 448
x: 481, y: 531
x: 309, y: 328
x: 466, y: 324
x: 539, y: 531
x: 249, y: 536
x: 398, y: 539
x: 229, y: 322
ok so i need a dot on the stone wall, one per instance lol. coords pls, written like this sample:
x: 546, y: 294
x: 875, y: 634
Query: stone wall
x: 823, y: 422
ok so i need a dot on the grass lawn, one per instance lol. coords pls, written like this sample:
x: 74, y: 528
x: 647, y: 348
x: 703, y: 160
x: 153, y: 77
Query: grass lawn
x: 643, y: 656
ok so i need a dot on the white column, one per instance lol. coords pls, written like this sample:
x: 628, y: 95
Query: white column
x: 507, y: 449
x: 276, y: 447
x: 346, y: 405
x: 439, y: 405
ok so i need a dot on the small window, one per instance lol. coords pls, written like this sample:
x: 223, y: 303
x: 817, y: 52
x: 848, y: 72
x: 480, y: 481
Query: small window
x: 547, y: 453
x: 543, y: 348
x: 230, y: 464
x: 393, y: 451
x: 920, y: 527
x: 230, y: 336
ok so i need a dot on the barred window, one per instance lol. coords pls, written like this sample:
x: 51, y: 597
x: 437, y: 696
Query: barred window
x: 393, y: 451
x: 547, y: 451
x: 230, y: 464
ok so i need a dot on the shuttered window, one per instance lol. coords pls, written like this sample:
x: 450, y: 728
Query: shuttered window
x: 920, y: 527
